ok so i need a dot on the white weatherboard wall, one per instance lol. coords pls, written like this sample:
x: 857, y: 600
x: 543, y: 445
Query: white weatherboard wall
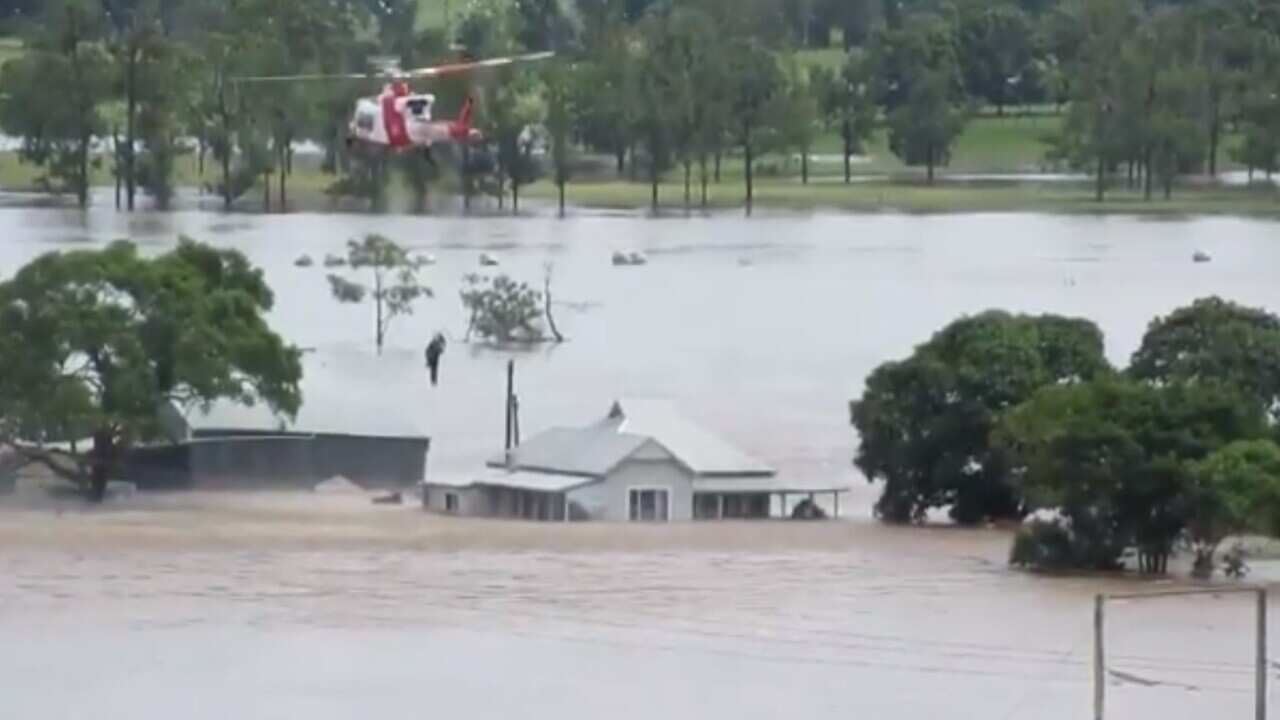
x: 470, y: 500
x: 650, y: 467
x: 592, y: 499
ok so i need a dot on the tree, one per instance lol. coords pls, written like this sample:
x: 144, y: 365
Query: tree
x: 96, y: 342
x: 1113, y: 458
x: 845, y: 100
x: 1178, y: 123
x: 1091, y: 39
x: 1237, y: 490
x: 925, y: 422
x: 796, y: 115
x: 756, y: 82
x: 394, y: 289
x: 58, y: 129
x: 996, y: 52
x: 920, y: 90
x: 512, y: 107
x: 502, y: 310
x: 561, y: 111
x: 1214, y: 340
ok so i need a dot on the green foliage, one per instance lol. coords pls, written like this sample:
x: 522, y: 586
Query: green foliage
x: 996, y: 51
x: 921, y: 90
x: 1113, y: 458
x: 1237, y: 490
x: 393, y: 286
x: 925, y: 422
x: 58, y: 127
x: 559, y: 82
x: 1214, y: 340
x: 845, y: 101
x: 501, y: 309
x: 98, y: 341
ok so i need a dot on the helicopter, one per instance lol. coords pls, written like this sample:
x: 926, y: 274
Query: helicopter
x: 399, y: 120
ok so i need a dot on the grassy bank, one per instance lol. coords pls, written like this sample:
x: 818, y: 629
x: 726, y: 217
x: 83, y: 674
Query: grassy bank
x: 891, y: 196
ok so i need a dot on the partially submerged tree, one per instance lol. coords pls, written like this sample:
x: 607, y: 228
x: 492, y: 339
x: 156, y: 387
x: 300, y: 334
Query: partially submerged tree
x: 1237, y: 490
x: 500, y: 309
x: 393, y: 286
x: 1113, y: 458
x: 95, y: 342
x: 925, y: 422
x: 1215, y: 340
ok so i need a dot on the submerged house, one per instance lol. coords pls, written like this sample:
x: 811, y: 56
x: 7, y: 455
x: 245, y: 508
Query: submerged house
x: 643, y: 461
x: 359, y: 420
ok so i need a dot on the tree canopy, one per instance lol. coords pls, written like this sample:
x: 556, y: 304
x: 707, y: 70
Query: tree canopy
x: 925, y: 422
x: 96, y: 342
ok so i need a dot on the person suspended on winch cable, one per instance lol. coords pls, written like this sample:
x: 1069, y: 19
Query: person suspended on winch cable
x: 435, y: 349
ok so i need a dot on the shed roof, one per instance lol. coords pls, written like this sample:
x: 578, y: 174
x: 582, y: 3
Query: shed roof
x: 344, y: 392
x: 585, y: 452
x: 700, y: 450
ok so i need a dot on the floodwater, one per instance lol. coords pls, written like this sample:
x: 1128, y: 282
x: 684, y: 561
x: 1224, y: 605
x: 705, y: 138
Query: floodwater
x: 272, y: 606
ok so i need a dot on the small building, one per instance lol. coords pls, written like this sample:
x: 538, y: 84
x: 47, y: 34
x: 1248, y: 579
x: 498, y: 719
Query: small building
x: 359, y: 420
x: 642, y: 462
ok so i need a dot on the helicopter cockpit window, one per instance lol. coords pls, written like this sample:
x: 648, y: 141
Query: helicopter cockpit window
x: 418, y: 106
x: 365, y: 121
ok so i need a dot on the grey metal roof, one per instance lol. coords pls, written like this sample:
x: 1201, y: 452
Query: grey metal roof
x: 538, y: 481
x: 344, y: 392
x: 766, y: 485
x: 701, y: 451
x: 590, y: 452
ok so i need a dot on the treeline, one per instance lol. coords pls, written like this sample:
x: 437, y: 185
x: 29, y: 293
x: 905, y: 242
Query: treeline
x: 1001, y: 416
x: 1149, y: 90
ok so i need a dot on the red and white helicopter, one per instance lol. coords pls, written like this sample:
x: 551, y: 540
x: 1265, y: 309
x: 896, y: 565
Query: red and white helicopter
x: 398, y: 119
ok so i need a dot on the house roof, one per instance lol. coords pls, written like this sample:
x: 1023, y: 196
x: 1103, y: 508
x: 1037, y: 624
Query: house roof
x: 538, y: 481
x: 584, y: 452
x: 594, y: 450
x: 700, y: 450
x: 766, y: 485
x: 344, y: 392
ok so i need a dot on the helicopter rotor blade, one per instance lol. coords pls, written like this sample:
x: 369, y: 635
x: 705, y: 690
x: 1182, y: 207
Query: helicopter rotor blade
x: 457, y: 68
x: 302, y: 78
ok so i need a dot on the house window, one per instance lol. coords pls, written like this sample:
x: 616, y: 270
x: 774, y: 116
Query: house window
x: 451, y: 502
x: 649, y: 505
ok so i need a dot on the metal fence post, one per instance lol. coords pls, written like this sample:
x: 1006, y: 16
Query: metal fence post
x: 1260, y: 702
x: 1099, y: 660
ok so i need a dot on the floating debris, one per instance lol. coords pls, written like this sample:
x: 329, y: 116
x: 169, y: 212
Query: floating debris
x: 425, y: 259
x: 638, y: 258
x: 620, y: 258
x: 1201, y: 256
x: 334, y: 261
x: 304, y: 261
x: 488, y: 260
x: 745, y: 262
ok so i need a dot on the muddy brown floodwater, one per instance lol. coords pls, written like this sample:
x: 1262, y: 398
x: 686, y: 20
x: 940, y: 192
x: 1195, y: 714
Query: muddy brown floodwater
x: 284, y: 606
x: 270, y: 606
